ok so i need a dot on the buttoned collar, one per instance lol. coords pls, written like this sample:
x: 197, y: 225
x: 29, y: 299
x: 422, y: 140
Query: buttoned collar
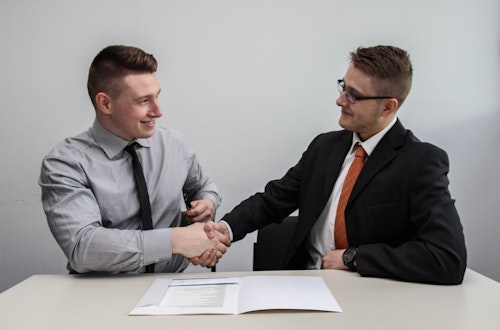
x: 111, y: 144
x: 370, y: 144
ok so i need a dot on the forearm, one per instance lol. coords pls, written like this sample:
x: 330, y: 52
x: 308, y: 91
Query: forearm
x: 117, y: 250
x: 261, y: 209
x: 413, y: 261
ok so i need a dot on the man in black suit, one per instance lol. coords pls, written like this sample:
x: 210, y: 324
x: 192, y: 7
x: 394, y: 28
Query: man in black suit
x: 400, y: 219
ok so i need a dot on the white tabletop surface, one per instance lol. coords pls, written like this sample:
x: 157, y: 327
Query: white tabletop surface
x: 103, y: 302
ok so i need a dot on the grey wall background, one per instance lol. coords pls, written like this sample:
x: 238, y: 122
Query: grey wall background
x: 250, y: 83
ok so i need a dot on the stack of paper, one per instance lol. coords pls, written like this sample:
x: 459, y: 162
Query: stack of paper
x: 236, y: 295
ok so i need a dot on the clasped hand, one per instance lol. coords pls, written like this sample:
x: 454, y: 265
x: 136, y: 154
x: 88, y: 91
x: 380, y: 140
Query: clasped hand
x: 203, y: 242
x: 209, y: 258
x: 200, y: 243
x: 333, y: 260
x: 200, y: 211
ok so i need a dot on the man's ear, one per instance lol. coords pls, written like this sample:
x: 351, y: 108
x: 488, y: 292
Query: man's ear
x: 391, y: 106
x: 103, y: 102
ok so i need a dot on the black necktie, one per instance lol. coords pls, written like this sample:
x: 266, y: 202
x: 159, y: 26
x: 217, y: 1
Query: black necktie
x: 147, y: 222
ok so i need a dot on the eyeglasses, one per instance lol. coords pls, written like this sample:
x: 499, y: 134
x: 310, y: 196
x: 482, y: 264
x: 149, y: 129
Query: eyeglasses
x: 351, y: 98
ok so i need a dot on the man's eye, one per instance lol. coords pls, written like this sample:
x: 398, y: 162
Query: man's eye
x: 352, y: 93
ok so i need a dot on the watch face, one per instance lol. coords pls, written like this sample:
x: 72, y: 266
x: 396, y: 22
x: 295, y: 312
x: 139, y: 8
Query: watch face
x: 349, y: 255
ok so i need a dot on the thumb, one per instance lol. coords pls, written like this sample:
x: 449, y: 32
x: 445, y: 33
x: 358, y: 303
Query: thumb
x: 210, y: 229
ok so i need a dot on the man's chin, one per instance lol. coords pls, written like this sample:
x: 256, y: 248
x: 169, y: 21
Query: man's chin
x: 345, y: 123
x: 146, y: 134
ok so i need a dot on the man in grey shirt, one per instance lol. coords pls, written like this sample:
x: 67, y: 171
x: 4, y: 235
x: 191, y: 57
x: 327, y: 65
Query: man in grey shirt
x: 89, y: 193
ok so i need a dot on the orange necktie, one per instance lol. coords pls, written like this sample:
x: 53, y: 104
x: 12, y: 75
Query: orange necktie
x: 350, y: 179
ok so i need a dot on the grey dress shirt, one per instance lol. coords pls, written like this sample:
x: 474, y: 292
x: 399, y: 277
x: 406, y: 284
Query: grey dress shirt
x: 92, y: 207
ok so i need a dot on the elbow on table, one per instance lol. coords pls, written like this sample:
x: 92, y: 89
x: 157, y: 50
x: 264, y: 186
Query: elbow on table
x: 456, y: 274
x: 453, y: 271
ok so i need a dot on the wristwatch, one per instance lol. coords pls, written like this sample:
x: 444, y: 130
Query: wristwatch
x: 349, y: 257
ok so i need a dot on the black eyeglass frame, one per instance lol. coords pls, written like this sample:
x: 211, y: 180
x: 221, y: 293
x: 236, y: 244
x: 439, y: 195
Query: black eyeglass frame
x: 351, y: 98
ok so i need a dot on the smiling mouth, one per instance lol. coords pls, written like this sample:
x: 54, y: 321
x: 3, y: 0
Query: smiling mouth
x: 345, y: 113
x: 149, y: 122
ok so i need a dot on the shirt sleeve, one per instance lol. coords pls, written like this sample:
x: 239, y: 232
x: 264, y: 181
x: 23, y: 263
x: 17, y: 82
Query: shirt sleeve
x: 75, y: 220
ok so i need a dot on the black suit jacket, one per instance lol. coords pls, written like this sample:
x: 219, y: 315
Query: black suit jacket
x: 400, y: 213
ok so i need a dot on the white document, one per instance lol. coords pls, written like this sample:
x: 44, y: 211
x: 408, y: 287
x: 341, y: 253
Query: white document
x: 236, y: 295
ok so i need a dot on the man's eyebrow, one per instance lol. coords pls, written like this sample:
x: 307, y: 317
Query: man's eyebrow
x: 351, y: 89
x: 147, y: 96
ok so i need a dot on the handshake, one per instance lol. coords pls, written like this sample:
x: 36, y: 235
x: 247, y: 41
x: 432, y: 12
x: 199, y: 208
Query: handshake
x: 204, y: 241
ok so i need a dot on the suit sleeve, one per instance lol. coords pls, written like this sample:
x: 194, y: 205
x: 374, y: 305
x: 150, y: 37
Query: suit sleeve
x: 278, y: 200
x: 437, y: 252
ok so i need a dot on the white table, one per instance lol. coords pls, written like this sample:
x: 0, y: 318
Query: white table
x: 103, y: 302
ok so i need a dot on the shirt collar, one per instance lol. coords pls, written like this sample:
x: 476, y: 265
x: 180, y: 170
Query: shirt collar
x: 110, y: 143
x: 370, y: 144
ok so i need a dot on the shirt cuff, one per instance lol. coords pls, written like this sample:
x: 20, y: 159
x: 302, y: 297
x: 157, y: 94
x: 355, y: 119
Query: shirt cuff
x: 228, y: 228
x: 157, y: 245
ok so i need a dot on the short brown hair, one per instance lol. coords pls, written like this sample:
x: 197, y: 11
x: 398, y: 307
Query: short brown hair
x: 112, y: 64
x: 390, y: 68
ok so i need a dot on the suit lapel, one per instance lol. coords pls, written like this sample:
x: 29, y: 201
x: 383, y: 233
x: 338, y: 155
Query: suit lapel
x: 335, y: 162
x: 384, y: 153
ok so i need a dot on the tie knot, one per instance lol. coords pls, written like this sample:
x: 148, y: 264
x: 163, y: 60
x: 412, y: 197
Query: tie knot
x: 360, y: 152
x: 131, y: 148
